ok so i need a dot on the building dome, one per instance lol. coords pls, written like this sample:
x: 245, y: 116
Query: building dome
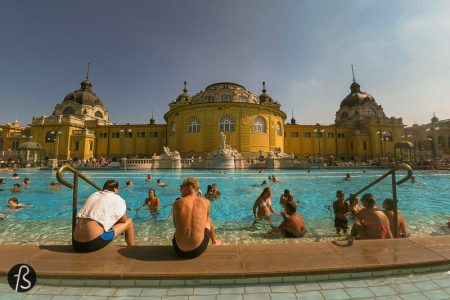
x: 265, y: 97
x: 84, y: 95
x: 30, y: 146
x: 356, y: 97
x: 184, y: 97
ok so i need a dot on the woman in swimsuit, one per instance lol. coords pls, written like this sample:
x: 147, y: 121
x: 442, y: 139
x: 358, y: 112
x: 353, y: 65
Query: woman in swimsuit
x: 263, y: 206
x: 152, y: 201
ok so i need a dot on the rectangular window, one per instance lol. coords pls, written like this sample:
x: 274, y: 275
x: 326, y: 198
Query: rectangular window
x: 103, y: 135
x: 153, y: 134
x: 330, y: 135
x: 77, y: 146
x: 365, y: 145
x: 340, y: 135
x: 141, y: 134
x: 306, y: 134
x: 294, y: 134
x: 351, y: 146
x: 128, y: 134
x: 115, y: 135
x: 209, y: 98
x: 91, y: 145
x: 225, y: 98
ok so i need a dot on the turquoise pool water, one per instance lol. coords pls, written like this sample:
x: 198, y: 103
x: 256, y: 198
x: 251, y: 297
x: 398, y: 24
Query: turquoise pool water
x: 425, y: 204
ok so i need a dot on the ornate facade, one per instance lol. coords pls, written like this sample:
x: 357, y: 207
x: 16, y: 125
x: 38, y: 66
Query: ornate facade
x: 253, y: 124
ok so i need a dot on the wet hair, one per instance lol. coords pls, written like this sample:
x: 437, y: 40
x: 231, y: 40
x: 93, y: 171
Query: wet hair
x: 340, y: 192
x: 389, y: 203
x: 15, y: 175
x: 286, y: 191
x: 1, y: 180
x: 214, y: 184
x: 191, y: 181
x: 154, y: 192
x: 353, y: 200
x: 266, y: 190
x: 110, y: 185
x: 26, y: 179
x: 209, y: 188
x: 291, y: 207
x: 128, y: 182
x: 16, y: 185
x: 368, y: 200
x: 14, y: 199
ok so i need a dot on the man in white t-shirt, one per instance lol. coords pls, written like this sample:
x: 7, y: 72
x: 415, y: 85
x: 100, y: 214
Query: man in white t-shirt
x: 102, y: 219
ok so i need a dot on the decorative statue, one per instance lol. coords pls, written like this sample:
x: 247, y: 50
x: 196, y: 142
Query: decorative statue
x: 224, y: 140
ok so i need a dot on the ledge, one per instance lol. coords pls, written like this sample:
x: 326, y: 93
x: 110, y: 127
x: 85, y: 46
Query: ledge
x: 229, y: 261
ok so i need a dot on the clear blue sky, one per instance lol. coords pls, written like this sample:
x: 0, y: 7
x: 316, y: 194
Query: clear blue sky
x: 142, y: 51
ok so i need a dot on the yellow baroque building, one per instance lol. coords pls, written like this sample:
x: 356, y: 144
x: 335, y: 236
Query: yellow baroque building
x: 254, y: 125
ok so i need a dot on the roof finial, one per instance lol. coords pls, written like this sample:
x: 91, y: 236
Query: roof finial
x: 152, y: 119
x: 264, y: 87
x: 353, y: 73
x: 185, y: 89
x: 87, y: 73
x: 292, y: 119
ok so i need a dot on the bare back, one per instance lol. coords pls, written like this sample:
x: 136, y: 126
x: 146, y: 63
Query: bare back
x: 190, y: 217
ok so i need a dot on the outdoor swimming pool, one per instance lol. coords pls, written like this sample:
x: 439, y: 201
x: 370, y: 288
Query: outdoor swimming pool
x: 425, y: 204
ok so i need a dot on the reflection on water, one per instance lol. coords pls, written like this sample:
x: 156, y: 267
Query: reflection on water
x: 425, y: 204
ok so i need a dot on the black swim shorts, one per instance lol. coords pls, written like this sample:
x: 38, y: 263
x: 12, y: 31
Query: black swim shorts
x: 94, y: 245
x: 193, y: 253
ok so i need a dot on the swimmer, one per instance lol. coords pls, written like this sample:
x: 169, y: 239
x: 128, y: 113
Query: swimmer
x: 263, y: 183
x: 341, y: 211
x: 2, y: 181
x: 14, y: 203
x: 286, y: 197
x: 149, y: 178
x: 15, y: 176
x: 129, y: 183
x: 260, y: 171
x: 274, y: 179
x: 161, y: 183
x: 347, y: 177
x: 16, y: 188
x: 263, y: 206
x: 54, y: 186
x: 25, y: 182
x: 152, y: 201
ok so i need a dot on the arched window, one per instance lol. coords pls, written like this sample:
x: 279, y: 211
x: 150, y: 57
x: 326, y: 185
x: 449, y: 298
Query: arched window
x: 209, y: 98
x: 50, y: 136
x: 194, y: 125
x: 226, y: 123
x: 259, y: 125
x: 98, y: 114
x: 68, y: 111
x: 344, y: 115
x: 243, y: 99
x: 278, y: 129
x: 387, y: 136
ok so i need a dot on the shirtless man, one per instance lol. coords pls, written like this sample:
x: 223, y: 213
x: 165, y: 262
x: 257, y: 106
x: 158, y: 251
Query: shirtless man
x: 388, y: 206
x: 193, y: 226
x: 293, y: 225
x: 372, y: 222
x: 102, y: 219
x: 14, y: 203
x: 341, y: 212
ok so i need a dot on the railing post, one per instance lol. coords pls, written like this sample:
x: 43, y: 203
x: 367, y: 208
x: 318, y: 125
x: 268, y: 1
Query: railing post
x: 74, y: 202
x: 394, y: 195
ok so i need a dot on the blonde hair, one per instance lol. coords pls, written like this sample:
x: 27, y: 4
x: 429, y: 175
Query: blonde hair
x: 192, y: 181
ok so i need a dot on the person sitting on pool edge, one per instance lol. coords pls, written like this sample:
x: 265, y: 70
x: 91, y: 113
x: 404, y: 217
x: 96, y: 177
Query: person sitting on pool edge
x: 372, y: 222
x: 102, y: 219
x: 293, y: 225
x: 388, y: 205
x: 191, y: 221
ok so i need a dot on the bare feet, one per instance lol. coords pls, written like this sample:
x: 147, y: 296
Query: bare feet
x: 218, y: 242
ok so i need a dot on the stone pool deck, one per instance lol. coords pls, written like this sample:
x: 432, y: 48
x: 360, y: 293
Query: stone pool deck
x: 160, y: 263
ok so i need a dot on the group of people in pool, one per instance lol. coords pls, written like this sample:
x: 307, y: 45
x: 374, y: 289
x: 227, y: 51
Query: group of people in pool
x: 369, y: 221
x: 17, y: 187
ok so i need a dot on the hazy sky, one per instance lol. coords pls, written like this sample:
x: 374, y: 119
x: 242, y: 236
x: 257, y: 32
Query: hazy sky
x: 142, y: 51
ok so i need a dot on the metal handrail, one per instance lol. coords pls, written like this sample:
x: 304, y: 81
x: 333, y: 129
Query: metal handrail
x: 394, y: 188
x: 74, y: 187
